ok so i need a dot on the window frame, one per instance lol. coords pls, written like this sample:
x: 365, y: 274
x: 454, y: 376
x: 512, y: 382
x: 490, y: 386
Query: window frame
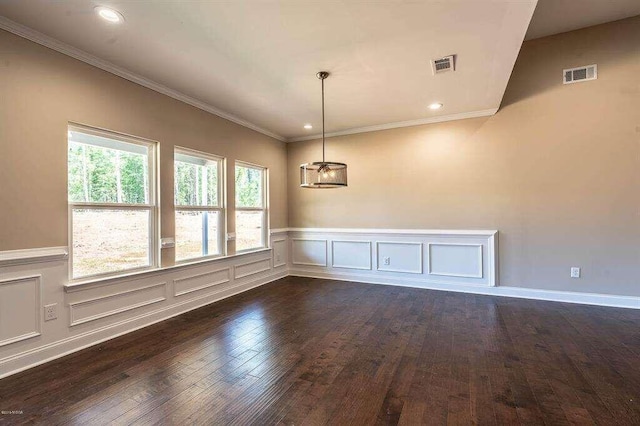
x: 264, y: 209
x: 222, y: 201
x: 151, y: 207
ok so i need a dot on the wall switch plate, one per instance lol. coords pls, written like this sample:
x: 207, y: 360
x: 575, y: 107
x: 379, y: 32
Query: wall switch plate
x: 575, y: 272
x: 50, y: 312
x: 386, y: 260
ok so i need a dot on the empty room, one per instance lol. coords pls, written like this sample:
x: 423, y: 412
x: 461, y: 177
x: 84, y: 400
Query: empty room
x: 305, y: 212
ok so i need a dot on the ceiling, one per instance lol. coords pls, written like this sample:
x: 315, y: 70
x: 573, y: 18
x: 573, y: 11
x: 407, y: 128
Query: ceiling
x: 559, y: 16
x: 254, y: 61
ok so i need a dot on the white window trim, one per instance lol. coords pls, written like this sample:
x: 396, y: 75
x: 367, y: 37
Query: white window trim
x: 222, y: 200
x: 264, y: 208
x: 151, y: 207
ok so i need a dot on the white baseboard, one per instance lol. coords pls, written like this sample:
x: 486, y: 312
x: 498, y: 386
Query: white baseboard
x: 43, y: 354
x: 615, y: 301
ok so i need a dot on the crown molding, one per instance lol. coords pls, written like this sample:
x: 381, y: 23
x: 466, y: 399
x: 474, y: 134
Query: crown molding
x: 51, y: 43
x: 398, y: 124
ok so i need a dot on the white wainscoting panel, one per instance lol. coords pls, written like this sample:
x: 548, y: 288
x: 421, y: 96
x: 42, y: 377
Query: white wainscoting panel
x: 279, y: 253
x: 309, y: 252
x: 189, y: 284
x: 117, y: 303
x: 251, y: 268
x: 455, y: 260
x: 19, y: 309
x: 351, y: 254
x: 405, y: 257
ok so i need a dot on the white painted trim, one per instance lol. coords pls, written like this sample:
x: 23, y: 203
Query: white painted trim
x: 38, y: 308
x: 405, y: 271
x: 66, y: 49
x: 273, y: 243
x: 202, y: 287
x: 630, y: 302
x: 51, y: 43
x: 326, y: 256
x: 35, y: 255
x: 235, y: 267
x: 480, y: 259
x: 398, y: 124
x: 278, y: 231
x: 83, y: 285
x: 54, y: 350
x: 456, y: 232
x: 72, y: 306
x: 333, y: 263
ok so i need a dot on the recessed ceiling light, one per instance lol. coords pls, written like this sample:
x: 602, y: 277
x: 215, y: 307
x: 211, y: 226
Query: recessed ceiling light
x: 109, y: 15
x: 435, y: 106
x: 308, y: 126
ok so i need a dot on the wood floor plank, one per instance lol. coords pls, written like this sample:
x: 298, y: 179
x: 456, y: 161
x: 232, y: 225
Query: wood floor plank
x: 311, y: 351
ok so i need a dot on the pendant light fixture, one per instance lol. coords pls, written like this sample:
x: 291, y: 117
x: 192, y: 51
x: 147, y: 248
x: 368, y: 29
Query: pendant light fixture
x: 323, y: 174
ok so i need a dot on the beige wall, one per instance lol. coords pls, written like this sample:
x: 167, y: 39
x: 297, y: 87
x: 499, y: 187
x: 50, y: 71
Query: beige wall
x: 42, y: 90
x: 556, y: 170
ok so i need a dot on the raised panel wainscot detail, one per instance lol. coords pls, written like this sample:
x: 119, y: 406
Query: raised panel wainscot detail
x: 455, y: 260
x: 252, y: 268
x: 309, y: 252
x: 404, y: 257
x: 351, y: 254
x: 186, y: 285
x: 113, y: 304
x: 19, y: 309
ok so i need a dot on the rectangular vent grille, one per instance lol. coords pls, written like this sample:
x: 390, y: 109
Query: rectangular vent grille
x: 576, y: 75
x: 443, y: 65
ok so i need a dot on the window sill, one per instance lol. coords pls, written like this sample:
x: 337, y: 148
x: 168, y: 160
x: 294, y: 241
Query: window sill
x: 98, y: 282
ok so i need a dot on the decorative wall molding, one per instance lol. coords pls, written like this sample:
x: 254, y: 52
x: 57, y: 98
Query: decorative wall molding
x: 91, y: 304
x: 36, y: 255
x: 303, y: 251
x: 51, y: 43
x: 279, y: 252
x: 251, y: 268
x: 74, y: 307
x: 181, y: 288
x: 348, y: 260
x: 433, y: 271
x: 374, y: 231
x: 398, y: 124
x: 17, y: 362
x: 395, y: 248
x: 6, y: 336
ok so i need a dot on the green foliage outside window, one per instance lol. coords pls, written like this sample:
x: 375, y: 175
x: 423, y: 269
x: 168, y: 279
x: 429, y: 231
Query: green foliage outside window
x: 103, y: 175
x: 248, y: 187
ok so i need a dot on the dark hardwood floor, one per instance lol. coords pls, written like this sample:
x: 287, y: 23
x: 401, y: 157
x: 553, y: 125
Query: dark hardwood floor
x: 305, y: 351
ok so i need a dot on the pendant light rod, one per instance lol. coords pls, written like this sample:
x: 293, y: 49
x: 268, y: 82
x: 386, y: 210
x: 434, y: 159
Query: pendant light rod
x: 323, y: 174
x: 322, y: 75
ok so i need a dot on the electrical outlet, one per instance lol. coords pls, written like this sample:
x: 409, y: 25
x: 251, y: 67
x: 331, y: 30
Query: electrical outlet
x: 50, y: 312
x: 575, y: 272
x: 386, y: 261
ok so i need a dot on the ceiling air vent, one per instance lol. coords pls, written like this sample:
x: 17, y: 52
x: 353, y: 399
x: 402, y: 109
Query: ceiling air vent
x: 443, y: 64
x: 576, y: 75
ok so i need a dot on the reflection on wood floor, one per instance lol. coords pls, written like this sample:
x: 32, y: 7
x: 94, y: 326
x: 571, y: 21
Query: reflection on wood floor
x: 309, y: 351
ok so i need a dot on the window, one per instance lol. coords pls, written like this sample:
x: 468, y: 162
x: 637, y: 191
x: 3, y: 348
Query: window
x: 199, y: 204
x: 112, y: 202
x: 251, y: 207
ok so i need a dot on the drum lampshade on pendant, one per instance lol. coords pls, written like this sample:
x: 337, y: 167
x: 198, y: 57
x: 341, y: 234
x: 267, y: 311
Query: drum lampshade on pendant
x: 323, y: 174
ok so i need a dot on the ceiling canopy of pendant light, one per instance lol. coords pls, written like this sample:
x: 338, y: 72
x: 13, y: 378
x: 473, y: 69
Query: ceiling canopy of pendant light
x: 323, y: 174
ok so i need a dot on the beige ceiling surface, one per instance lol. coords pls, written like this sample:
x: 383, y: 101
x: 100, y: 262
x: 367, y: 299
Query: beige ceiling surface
x: 257, y: 60
x: 559, y: 16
